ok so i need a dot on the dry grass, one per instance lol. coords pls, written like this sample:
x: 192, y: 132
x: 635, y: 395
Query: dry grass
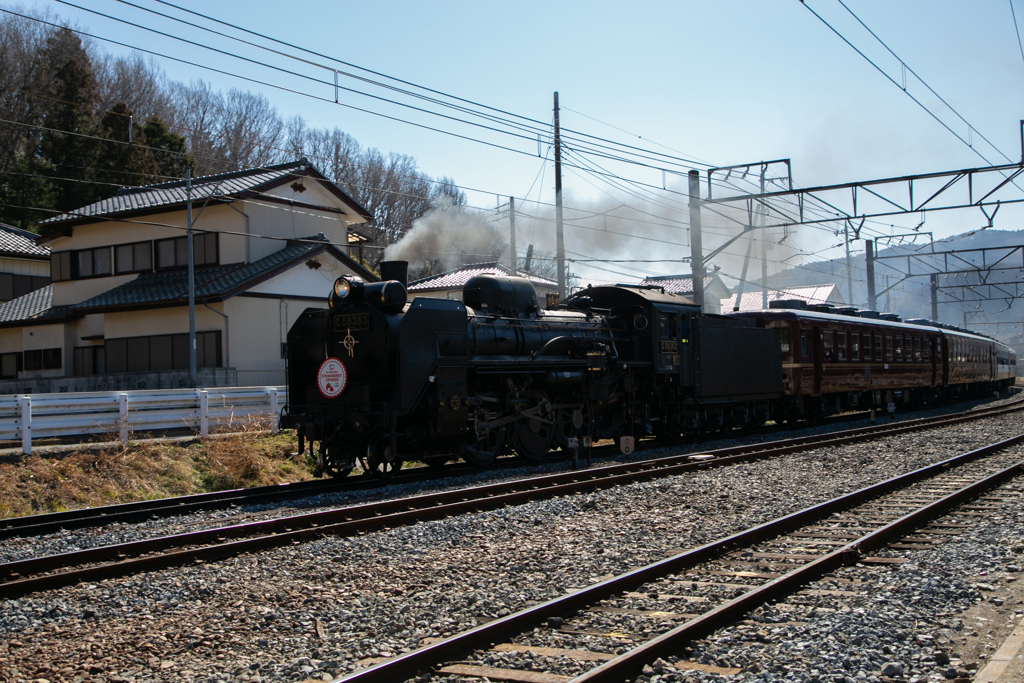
x: 249, y: 456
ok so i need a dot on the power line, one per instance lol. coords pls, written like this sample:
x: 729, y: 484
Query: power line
x: 1014, y: 14
x: 893, y: 81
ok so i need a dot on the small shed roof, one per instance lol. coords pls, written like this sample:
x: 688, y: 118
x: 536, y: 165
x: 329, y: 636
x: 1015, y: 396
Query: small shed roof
x: 459, y: 276
x: 812, y: 294
x: 680, y: 284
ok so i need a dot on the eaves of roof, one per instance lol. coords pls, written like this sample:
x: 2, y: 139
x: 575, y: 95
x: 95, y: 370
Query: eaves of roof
x: 164, y: 197
x: 216, y: 283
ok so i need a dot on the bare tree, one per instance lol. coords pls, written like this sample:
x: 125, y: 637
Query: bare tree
x: 198, y: 115
x: 136, y: 82
x: 252, y: 130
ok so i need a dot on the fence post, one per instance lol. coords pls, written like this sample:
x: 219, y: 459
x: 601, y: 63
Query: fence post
x: 122, y: 417
x: 274, y: 415
x: 204, y: 414
x: 26, y: 424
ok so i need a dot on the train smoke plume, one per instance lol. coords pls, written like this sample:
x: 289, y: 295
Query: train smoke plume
x: 449, y: 235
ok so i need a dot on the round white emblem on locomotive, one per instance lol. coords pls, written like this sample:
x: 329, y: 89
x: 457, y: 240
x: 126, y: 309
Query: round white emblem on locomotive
x: 331, y: 378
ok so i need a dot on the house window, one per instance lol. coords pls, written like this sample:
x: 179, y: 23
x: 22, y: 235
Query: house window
x: 43, y: 359
x: 92, y: 263
x: 162, y: 352
x: 10, y: 365
x: 81, y: 264
x: 60, y: 266
x: 173, y: 253
x: 90, y: 360
x: 133, y: 258
x: 14, y: 286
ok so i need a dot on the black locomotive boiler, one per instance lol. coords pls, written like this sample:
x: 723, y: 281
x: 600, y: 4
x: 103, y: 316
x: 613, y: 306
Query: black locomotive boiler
x: 379, y: 378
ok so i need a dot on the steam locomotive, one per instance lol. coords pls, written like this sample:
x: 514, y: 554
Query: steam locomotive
x: 378, y: 379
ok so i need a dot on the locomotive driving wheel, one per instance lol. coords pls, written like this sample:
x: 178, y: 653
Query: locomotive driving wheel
x: 572, y: 423
x: 533, y: 434
x: 483, y: 449
x: 380, y: 460
x: 331, y: 461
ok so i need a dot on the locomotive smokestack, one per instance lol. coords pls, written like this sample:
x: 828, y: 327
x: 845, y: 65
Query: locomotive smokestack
x: 395, y: 270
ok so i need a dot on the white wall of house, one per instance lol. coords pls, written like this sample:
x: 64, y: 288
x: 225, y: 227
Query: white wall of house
x: 259, y: 326
x: 25, y: 267
x: 160, y: 321
x: 302, y: 280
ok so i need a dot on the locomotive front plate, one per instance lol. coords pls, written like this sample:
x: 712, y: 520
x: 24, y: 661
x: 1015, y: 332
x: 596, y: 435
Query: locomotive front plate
x: 352, y: 321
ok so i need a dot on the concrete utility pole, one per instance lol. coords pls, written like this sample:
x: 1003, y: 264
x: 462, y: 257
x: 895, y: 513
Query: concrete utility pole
x: 560, y: 248
x: 512, y: 229
x: 764, y: 248
x: 935, y: 296
x: 192, y: 374
x: 696, y: 250
x: 849, y: 267
x: 869, y: 266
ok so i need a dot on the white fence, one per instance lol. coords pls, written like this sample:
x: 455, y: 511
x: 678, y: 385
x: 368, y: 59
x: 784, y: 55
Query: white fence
x: 28, y: 416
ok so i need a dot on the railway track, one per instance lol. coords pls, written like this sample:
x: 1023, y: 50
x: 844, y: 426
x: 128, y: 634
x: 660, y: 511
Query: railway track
x: 695, y: 593
x: 38, y: 525
x: 43, y: 573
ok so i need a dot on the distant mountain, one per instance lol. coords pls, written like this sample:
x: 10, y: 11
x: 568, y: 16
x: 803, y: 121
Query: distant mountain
x: 910, y: 297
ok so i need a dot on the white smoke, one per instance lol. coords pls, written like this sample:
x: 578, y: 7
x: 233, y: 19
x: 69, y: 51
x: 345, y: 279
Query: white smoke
x: 449, y: 235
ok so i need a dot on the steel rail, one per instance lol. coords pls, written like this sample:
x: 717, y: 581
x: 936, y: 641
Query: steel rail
x: 624, y: 666
x: 41, y: 573
x: 37, y: 525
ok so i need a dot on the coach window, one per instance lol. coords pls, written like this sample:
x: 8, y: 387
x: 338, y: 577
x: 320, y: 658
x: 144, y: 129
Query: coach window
x: 878, y: 347
x: 888, y: 347
x: 938, y: 349
x: 828, y: 346
x: 782, y: 334
x: 926, y: 349
x: 917, y: 348
x: 855, y: 346
x: 866, y: 345
x: 841, y: 337
x: 803, y: 343
x: 898, y: 348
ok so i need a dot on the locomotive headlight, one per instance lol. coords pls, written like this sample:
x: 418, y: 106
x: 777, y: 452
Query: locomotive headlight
x: 342, y: 287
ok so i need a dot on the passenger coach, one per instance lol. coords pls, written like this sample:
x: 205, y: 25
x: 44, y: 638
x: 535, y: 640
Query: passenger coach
x: 832, y: 362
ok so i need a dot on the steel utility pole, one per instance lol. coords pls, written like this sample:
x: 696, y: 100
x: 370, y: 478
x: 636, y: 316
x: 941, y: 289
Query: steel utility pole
x: 512, y: 229
x: 696, y: 250
x: 935, y: 296
x: 192, y: 379
x: 560, y: 248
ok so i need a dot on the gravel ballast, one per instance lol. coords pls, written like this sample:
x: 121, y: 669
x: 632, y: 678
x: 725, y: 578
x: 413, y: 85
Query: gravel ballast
x: 319, y: 609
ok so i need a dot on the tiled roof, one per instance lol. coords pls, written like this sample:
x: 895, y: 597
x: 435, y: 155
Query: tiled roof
x: 676, y: 284
x: 234, y: 184
x: 37, y: 305
x: 459, y: 276
x: 813, y: 294
x: 17, y: 242
x: 215, y: 282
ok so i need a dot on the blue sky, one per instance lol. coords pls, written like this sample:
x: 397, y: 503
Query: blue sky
x: 725, y: 82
